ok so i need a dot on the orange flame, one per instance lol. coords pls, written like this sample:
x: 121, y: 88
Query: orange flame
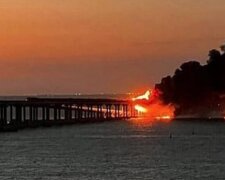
x: 140, y: 109
x: 163, y: 117
x: 151, y: 106
x: 145, y: 96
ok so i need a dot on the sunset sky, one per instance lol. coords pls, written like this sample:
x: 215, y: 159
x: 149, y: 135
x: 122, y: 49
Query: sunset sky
x: 94, y: 46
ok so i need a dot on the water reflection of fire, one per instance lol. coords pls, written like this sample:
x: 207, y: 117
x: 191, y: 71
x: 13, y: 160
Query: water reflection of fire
x: 150, y: 105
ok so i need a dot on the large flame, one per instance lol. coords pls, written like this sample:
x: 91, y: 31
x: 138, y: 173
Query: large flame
x: 145, y: 96
x: 150, y: 105
x: 140, y: 109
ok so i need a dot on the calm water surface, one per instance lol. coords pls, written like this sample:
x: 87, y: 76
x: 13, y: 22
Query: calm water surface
x: 116, y: 150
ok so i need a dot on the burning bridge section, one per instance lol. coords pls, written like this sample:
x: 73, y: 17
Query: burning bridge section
x: 36, y: 112
x: 150, y: 106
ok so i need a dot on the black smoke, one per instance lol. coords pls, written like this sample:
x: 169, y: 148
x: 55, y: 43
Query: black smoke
x: 196, y: 89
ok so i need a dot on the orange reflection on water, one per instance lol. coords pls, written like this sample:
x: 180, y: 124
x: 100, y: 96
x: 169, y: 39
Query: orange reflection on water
x: 141, y: 122
x: 164, y: 118
x: 144, y: 122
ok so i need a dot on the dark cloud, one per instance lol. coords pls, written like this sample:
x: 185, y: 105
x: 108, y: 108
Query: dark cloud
x: 197, y: 89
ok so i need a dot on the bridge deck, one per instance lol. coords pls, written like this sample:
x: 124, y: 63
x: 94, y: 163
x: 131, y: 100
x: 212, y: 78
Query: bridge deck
x: 34, y: 112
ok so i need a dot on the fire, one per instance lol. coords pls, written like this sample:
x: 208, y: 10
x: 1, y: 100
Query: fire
x: 164, y: 118
x: 145, y: 96
x: 140, y: 109
x: 150, y: 105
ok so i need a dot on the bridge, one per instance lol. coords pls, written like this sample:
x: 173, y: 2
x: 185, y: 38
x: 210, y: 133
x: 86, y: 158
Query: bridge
x: 36, y: 112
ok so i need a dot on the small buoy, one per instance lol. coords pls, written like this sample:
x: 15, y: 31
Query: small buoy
x: 193, y: 132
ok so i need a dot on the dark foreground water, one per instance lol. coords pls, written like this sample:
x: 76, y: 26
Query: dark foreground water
x: 116, y: 150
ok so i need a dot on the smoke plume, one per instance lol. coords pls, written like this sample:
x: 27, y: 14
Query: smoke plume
x: 197, y: 89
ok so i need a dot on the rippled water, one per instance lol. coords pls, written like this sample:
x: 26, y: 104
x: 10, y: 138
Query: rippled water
x: 116, y: 150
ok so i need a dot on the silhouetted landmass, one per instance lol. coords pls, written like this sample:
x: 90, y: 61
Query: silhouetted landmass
x: 197, y: 89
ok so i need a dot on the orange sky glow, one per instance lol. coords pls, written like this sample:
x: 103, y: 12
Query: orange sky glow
x: 93, y: 46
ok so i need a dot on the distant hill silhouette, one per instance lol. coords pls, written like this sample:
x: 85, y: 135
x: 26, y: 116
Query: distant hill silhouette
x: 195, y: 88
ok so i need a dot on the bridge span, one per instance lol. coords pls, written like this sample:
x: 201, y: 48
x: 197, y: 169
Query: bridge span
x: 36, y: 112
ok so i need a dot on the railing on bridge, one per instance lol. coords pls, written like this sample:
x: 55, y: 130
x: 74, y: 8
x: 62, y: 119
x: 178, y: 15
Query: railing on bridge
x: 34, y: 112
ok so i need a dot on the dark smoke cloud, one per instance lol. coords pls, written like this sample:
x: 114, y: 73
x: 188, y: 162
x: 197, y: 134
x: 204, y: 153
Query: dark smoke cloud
x: 197, y: 89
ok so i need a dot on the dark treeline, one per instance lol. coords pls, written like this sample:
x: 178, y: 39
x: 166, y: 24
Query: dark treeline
x: 195, y: 88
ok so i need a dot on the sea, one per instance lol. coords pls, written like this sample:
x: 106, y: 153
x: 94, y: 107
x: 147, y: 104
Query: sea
x: 127, y: 150
x: 131, y: 149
